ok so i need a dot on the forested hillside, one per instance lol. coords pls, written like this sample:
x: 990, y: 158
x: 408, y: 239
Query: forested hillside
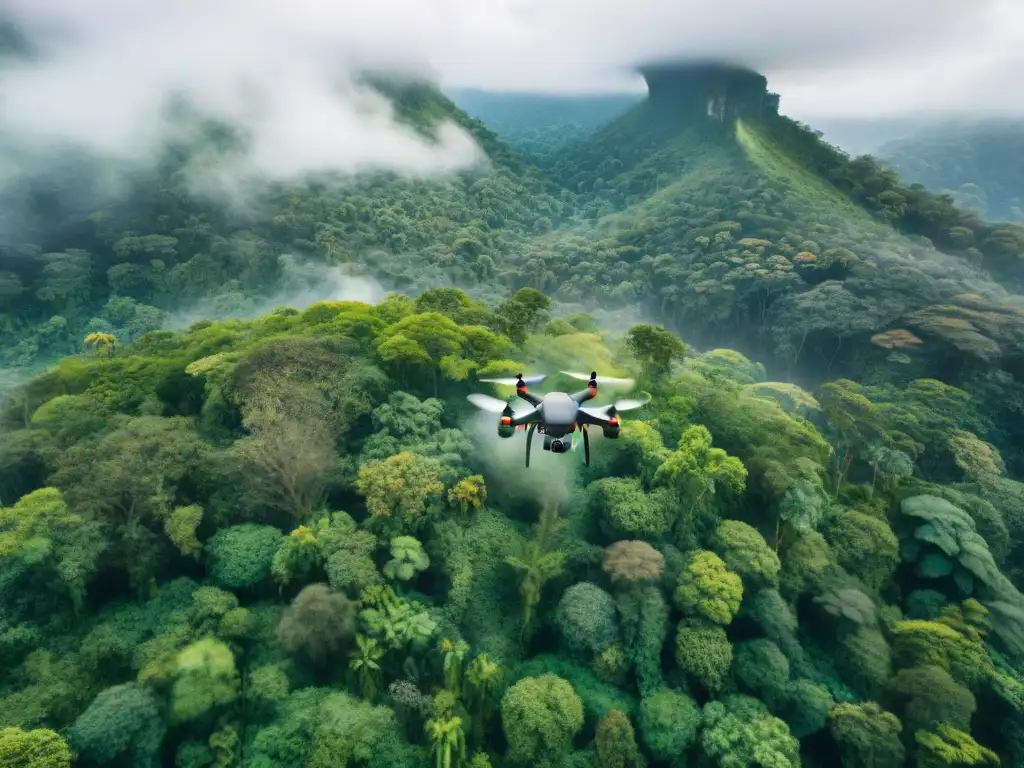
x: 979, y: 163
x: 71, y: 269
x: 283, y: 537
x: 538, y: 125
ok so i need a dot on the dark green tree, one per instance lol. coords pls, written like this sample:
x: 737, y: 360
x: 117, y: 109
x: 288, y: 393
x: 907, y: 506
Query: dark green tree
x: 655, y: 348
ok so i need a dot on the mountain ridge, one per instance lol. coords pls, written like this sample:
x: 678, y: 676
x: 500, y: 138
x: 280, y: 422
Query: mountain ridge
x: 656, y: 156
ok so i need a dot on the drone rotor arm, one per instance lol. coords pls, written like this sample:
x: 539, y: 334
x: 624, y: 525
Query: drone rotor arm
x: 595, y: 416
x: 584, y: 394
x: 531, y: 399
x: 532, y: 416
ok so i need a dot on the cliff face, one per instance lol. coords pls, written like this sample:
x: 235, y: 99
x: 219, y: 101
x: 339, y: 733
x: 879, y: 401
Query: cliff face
x: 709, y: 91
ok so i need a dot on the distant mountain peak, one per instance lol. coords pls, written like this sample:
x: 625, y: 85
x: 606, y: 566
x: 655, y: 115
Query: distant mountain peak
x: 714, y: 90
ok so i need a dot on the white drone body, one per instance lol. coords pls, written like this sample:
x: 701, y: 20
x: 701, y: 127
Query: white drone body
x: 557, y: 415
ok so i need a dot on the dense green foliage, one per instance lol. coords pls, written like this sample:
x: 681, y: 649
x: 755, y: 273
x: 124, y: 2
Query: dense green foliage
x: 289, y: 540
x: 980, y: 164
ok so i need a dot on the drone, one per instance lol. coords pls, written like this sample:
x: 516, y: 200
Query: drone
x: 557, y: 415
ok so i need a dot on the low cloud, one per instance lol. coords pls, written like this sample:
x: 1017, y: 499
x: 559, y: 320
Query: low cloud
x: 303, y: 283
x: 284, y: 70
x: 548, y: 480
x: 838, y: 57
x: 970, y: 68
x: 9, y: 379
x: 104, y: 73
x: 842, y: 57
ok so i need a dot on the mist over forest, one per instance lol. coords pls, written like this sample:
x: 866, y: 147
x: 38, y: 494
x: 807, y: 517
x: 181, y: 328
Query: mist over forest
x: 254, y: 261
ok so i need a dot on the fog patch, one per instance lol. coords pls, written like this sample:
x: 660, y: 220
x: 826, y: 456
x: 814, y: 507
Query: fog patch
x: 10, y: 380
x: 303, y: 283
x: 121, y: 78
x: 550, y: 478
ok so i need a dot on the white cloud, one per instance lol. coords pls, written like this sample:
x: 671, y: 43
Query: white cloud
x: 972, y: 68
x: 303, y: 283
x: 834, y: 57
x: 283, y: 70
x: 282, y: 65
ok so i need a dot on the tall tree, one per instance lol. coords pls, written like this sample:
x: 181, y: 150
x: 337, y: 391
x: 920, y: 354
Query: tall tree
x: 655, y: 348
x: 537, y: 562
x: 288, y: 462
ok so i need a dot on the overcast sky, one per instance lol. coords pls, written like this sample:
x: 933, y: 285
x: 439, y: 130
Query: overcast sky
x: 274, y: 62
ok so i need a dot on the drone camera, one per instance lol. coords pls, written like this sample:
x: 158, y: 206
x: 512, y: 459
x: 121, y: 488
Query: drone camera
x: 561, y: 444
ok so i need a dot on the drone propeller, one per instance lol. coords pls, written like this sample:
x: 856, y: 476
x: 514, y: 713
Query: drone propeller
x: 630, y: 404
x: 494, y: 405
x: 610, y: 381
x: 487, y: 403
x: 626, y: 404
x: 513, y: 380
